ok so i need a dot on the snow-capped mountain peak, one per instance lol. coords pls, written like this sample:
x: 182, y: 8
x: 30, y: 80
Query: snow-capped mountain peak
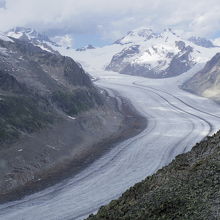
x: 169, y: 33
x: 32, y: 36
x: 27, y: 33
x: 143, y: 32
x: 137, y: 35
x: 140, y: 52
x: 164, y: 54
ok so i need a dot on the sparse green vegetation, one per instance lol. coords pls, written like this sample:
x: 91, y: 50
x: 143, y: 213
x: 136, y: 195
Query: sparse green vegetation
x: 75, y: 102
x: 22, y: 114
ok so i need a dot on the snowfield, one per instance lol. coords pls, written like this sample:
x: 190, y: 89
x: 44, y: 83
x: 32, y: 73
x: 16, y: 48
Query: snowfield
x: 176, y: 121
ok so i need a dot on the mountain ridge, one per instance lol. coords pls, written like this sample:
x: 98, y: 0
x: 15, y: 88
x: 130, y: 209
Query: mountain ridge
x: 52, y: 117
x: 207, y: 81
x: 158, y: 55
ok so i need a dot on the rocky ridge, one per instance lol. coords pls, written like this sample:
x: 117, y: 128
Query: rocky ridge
x: 188, y: 188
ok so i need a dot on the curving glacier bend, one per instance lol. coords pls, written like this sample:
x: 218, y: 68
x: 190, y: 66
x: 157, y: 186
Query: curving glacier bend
x: 176, y: 121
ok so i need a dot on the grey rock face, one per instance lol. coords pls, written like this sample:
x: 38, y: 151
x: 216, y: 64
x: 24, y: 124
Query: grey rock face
x: 181, y: 62
x: 118, y: 62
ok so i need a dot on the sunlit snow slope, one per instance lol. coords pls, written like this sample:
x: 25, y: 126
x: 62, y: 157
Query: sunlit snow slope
x: 176, y: 121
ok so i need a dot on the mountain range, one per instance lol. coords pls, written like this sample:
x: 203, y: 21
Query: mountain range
x: 146, y: 53
x: 158, y: 55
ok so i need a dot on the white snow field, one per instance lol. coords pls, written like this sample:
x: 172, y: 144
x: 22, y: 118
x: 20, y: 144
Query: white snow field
x: 176, y: 121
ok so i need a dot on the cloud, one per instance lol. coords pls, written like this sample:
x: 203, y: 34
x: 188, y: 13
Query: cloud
x: 112, y: 18
x: 64, y: 41
x: 216, y: 41
x: 2, y: 3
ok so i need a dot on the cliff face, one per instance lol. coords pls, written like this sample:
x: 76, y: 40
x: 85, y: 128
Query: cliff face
x: 207, y: 81
x: 188, y: 188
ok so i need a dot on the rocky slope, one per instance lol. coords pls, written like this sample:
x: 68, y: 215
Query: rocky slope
x: 158, y: 55
x: 33, y: 80
x: 207, y: 81
x: 188, y: 188
x: 51, y: 117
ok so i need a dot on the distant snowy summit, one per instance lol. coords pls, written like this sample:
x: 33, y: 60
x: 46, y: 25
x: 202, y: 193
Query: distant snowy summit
x: 31, y: 35
x: 203, y: 42
x: 88, y: 47
x: 158, y: 55
x: 138, y: 35
x: 27, y: 34
x: 42, y: 40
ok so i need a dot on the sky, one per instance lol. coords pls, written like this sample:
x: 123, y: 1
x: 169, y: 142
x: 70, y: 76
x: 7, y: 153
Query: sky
x: 101, y: 22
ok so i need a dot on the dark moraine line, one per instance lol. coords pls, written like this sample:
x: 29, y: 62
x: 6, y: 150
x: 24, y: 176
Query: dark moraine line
x: 216, y: 116
x: 210, y: 125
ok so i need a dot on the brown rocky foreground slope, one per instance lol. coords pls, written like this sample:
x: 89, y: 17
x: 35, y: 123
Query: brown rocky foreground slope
x: 188, y: 188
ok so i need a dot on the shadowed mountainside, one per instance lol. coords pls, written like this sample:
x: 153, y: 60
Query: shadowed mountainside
x: 53, y: 120
x: 207, y: 81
